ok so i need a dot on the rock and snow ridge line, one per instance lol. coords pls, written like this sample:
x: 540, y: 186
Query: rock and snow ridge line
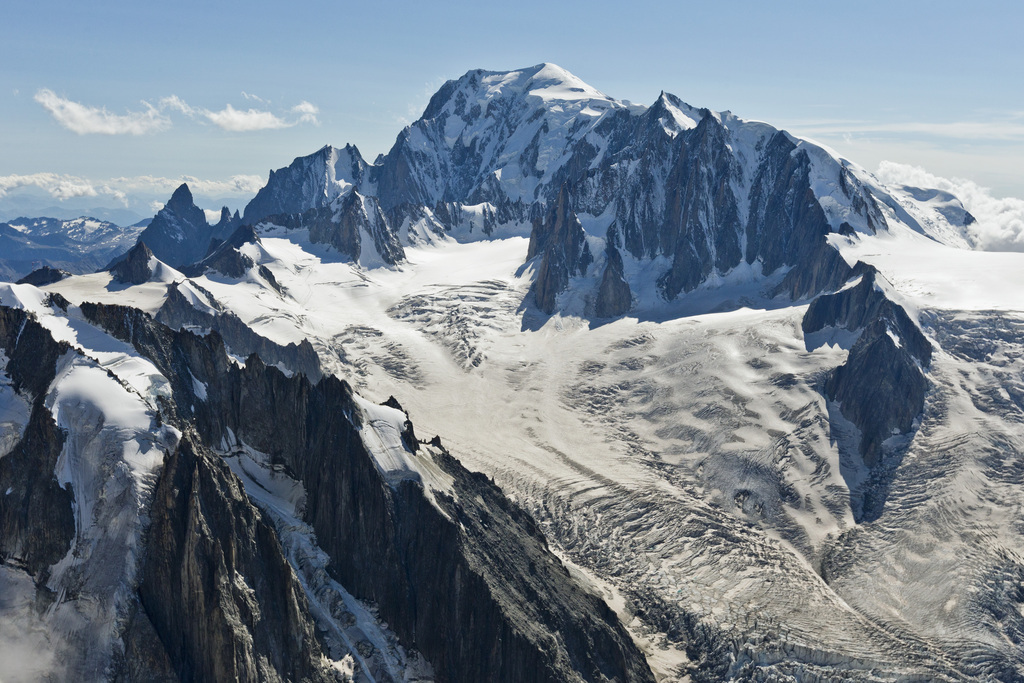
x: 78, y: 482
x: 691, y: 195
x: 426, y: 489
x: 304, y: 317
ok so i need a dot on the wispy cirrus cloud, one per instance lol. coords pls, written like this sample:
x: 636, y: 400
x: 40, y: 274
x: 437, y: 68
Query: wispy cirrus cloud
x: 254, y: 98
x: 84, y: 120
x: 63, y: 186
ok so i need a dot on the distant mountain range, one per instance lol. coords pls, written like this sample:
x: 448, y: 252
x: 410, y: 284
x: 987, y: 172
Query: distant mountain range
x: 80, y: 245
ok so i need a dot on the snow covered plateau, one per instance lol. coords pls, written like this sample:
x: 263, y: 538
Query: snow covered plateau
x: 711, y: 403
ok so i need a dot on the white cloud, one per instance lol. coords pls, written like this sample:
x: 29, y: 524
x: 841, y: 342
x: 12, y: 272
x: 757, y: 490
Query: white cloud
x: 999, y: 222
x: 238, y: 121
x: 255, y: 98
x: 84, y: 120
x: 175, y: 103
x: 61, y: 186
x: 243, y: 121
x: 308, y: 112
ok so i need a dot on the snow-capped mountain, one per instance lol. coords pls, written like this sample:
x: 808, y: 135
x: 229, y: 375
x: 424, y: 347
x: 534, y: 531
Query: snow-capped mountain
x: 80, y: 245
x: 688, y: 193
x: 713, y: 404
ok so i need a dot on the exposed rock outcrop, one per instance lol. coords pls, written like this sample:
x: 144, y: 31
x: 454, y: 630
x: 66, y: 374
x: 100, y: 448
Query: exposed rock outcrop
x: 40, y: 277
x: 37, y: 522
x: 228, y: 222
x: 701, y: 229
x: 560, y: 241
x: 354, y: 225
x: 179, y: 233
x: 216, y: 586
x: 353, y: 216
x: 135, y: 267
x: 226, y: 257
x: 178, y: 312
x: 459, y: 573
x: 310, y: 182
x: 614, y: 297
x: 881, y: 388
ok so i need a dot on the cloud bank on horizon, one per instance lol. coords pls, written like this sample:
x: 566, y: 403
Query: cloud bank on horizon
x: 63, y: 187
x: 999, y: 222
x: 89, y: 120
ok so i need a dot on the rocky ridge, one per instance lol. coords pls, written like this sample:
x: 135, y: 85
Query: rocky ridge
x: 461, y: 556
x: 180, y: 235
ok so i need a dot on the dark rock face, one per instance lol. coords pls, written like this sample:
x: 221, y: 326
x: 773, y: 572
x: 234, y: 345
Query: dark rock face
x: 701, y: 229
x: 560, y: 239
x: 178, y: 313
x: 455, y: 585
x: 785, y: 215
x: 822, y: 269
x: 216, y: 586
x: 41, y: 277
x: 881, y: 388
x: 227, y: 222
x: 344, y: 225
x: 863, y: 304
x: 469, y: 582
x: 350, y: 217
x: 614, y: 297
x: 37, y: 523
x: 133, y: 268
x: 145, y: 658
x: 179, y: 234
x: 305, y: 183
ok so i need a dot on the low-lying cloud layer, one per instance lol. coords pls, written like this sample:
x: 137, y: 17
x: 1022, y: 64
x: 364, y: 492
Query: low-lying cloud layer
x: 62, y: 186
x: 84, y: 120
x: 1000, y: 222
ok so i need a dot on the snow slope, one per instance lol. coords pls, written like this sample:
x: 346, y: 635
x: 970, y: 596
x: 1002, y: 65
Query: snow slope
x: 104, y: 399
x: 686, y: 455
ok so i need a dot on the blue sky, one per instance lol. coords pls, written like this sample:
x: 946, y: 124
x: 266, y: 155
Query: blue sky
x: 232, y: 90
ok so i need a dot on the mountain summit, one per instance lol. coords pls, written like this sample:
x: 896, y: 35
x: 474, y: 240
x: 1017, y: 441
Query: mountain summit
x: 179, y: 234
x: 684, y: 194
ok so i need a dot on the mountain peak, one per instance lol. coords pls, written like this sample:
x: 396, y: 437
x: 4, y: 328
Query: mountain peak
x: 181, y: 199
x: 546, y: 80
x: 675, y: 114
